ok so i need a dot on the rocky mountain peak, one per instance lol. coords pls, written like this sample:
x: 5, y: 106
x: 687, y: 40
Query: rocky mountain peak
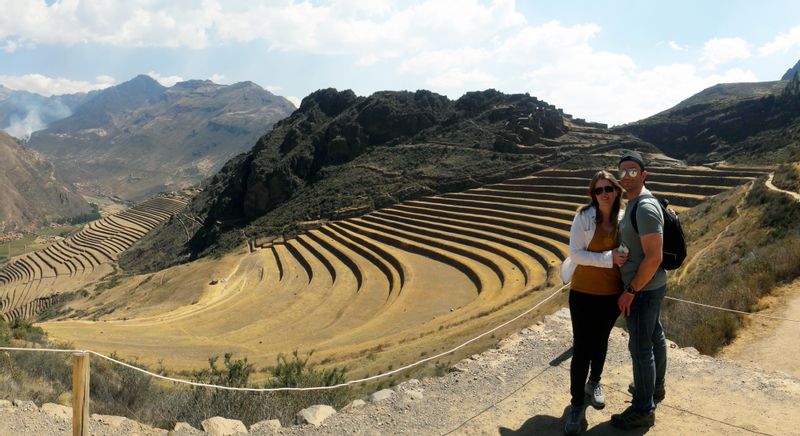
x: 791, y: 72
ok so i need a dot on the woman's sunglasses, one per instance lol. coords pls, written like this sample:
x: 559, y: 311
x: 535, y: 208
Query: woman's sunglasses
x: 607, y: 189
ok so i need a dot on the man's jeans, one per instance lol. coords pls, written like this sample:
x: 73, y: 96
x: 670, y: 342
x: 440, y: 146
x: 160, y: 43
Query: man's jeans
x: 648, y: 347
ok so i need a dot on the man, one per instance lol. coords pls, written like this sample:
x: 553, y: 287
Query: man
x: 645, y: 285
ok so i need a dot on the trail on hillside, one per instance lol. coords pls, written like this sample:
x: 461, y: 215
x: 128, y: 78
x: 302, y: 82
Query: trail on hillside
x: 769, y: 184
x: 699, y: 255
x: 769, y: 343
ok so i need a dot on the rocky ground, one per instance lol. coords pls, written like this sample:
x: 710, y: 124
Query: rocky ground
x: 521, y: 388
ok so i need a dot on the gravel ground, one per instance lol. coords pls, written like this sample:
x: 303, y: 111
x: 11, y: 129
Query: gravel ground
x: 521, y: 388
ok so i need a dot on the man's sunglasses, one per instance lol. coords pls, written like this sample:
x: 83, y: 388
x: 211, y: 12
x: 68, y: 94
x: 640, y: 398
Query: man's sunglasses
x: 631, y: 172
x: 609, y: 189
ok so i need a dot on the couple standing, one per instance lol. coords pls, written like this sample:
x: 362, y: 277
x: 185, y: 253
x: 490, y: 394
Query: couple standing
x: 614, y: 263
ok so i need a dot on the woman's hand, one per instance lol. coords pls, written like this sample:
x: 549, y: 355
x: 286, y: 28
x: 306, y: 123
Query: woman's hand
x: 618, y: 258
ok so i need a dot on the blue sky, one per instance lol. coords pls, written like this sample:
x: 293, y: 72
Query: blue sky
x: 608, y: 61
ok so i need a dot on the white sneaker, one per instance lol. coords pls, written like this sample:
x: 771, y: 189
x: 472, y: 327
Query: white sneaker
x: 594, y: 392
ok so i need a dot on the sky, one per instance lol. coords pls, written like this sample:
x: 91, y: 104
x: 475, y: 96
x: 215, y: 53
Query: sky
x: 607, y: 61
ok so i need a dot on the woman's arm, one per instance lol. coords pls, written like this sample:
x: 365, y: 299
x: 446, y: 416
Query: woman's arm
x: 578, y: 244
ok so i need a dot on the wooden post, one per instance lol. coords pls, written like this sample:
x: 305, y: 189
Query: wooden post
x: 80, y: 394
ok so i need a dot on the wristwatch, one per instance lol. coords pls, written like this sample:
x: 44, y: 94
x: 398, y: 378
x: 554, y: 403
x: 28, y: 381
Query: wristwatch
x: 630, y: 289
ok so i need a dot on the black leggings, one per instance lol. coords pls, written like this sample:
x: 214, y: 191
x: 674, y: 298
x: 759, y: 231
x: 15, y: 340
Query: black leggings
x: 593, y: 316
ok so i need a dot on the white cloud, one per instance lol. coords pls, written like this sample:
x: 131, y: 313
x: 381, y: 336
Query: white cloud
x: 675, y: 46
x: 294, y: 100
x: 48, y: 86
x: 458, y: 78
x: 782, y: 43
x: 720, y: 51
x: 165, y: 80
x: 217, y: 78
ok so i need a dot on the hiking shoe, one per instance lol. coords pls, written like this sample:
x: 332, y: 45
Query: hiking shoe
x: 576, y: 420
x: 658, y: 394
x: 594, y: 392
x: 631, y: 418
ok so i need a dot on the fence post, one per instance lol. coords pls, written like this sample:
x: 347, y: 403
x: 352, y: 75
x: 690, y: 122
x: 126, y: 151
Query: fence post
x: 80, y: 394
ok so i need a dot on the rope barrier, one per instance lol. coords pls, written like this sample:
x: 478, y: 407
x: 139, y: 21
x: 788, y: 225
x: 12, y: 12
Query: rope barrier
x: 366, y: 379
x: 730, y: 310
x: 315, y: 388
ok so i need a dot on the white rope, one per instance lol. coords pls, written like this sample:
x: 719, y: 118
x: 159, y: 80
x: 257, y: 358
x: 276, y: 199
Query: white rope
x: 731, y: 310
x: 315, y: 388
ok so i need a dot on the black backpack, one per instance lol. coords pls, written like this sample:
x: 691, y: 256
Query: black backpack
x: 674, y: 250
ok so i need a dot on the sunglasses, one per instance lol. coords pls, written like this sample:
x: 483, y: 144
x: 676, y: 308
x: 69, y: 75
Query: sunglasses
x: 631, y: 172
x: 607, y: 189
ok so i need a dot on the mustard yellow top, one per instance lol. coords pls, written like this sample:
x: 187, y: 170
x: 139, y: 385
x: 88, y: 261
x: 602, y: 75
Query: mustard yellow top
x: 596, y: 280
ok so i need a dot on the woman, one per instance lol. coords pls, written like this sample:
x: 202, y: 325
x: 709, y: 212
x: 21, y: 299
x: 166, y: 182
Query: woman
x: 595, y: 287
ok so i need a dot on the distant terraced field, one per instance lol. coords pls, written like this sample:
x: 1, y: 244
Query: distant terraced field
x: 32, y: 282
x: 371, y: 291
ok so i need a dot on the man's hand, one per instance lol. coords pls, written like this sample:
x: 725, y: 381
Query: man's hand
x: 624, y: 303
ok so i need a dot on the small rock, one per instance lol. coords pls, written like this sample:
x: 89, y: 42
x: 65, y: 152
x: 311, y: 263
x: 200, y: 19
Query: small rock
x: 269, y: 424
x: 314, y: 414
x: 57, y: 410
x: 219, y: 426
x: 27, y: 406
x: 381, y: 395
x: 414, y: 394
x: 110, y: 420
x: 357, y: 403
x: 5, y: 403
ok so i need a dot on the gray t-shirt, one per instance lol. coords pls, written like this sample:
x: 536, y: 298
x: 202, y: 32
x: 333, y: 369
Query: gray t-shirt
x: 648, y: 220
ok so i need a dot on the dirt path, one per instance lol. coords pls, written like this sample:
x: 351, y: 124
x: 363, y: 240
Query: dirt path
x: 772, y: 344
x: 769, y: 184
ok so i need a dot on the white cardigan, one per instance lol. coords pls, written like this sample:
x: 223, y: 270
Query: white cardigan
x: 580, y: 235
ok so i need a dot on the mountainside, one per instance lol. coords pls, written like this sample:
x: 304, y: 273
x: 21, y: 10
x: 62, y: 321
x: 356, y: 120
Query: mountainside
x: 341, y: 155
x: 138, y: 138
x: 739, y: 123
x: 31, y: 193
x: 22, y: 112
x: 791, y: 72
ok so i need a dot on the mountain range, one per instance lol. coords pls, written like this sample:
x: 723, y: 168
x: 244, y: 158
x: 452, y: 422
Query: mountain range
x: 139, y: 137
x: 23, y: 112
x: 748, y: 123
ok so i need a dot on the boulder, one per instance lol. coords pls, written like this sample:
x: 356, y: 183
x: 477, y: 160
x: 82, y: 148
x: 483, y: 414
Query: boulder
x: 381, y: 395
x: 57, y: 410
x: 218, y: 426
x: 184, y: 428
x: 314, y: 414
x: 270, y: 425
x: 5, y: 403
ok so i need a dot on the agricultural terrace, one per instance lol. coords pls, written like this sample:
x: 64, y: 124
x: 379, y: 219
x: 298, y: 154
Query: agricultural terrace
x: 369, y: 292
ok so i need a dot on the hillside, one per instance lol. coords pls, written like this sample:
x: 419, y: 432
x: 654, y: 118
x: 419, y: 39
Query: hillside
x: 744, y: 123
x: 342, y: 155
x: 138, y: 138
x: 32, y: 193
x: 22, y: 112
